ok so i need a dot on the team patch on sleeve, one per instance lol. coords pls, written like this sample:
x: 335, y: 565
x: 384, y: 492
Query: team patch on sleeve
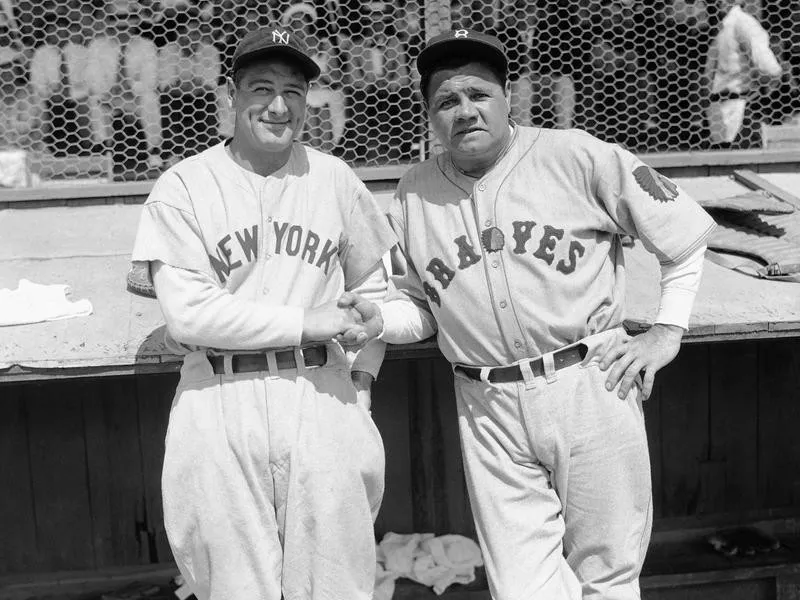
x: 654, y: 183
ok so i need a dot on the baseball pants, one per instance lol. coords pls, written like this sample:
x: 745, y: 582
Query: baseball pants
x: 271, y: 484
x: 558, y: 473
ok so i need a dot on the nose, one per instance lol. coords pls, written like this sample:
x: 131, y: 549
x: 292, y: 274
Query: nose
x: 466, y: 109
x: 278, y: 105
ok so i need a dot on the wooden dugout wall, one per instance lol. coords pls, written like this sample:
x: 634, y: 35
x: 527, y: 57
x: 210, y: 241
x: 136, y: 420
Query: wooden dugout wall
x: 80, y: 459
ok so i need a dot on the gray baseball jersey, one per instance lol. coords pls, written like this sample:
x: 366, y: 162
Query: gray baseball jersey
x: 528, y: 258
x: 295, y: 239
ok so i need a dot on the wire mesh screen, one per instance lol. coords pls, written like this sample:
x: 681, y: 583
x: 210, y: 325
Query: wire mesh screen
x: 122, y: 89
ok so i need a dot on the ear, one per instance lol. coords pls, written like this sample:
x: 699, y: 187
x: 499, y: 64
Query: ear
x: 231, y: 91
x: 507, y: 93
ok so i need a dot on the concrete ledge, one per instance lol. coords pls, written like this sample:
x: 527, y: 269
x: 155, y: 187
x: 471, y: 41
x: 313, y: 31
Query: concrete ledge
x: 674, y: 163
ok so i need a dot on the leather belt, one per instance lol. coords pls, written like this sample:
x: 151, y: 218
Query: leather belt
x: 561, y: 360
x: 313, y: 356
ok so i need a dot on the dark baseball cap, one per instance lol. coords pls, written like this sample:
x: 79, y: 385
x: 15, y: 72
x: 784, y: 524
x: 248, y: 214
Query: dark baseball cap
x: 466, y: 43
x: 275, y: 40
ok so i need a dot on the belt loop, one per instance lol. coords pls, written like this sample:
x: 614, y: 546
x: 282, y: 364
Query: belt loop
x: 549, y: 367
x: 227, y: 364
x: 272, y: 363
x: 299, y: 359
x: 527, y: 374
x: 485, y: 374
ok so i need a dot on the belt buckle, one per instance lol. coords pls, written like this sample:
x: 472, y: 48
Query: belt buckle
x: 300, y: 357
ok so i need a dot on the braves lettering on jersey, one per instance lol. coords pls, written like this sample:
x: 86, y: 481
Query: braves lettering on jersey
x: 286, y: 239
x: 528, y: 258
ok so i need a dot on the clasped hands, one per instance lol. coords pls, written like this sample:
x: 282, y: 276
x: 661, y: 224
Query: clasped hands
x: 351, y: 320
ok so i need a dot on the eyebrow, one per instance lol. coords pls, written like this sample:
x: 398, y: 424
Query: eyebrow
x: 469, y: 90
x: 269, y: 81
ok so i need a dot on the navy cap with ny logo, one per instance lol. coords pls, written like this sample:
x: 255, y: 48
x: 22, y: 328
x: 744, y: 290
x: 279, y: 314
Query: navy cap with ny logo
x: 466, y: 43
x: 278, y: 41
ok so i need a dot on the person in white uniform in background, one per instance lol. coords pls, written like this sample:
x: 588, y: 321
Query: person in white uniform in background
x: 740, y: 62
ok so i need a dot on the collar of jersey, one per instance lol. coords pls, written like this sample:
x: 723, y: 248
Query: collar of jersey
x: 466, y: 182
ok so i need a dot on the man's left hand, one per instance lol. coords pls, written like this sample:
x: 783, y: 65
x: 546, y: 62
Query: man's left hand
x: 369, y: 328
x: 647, y: 352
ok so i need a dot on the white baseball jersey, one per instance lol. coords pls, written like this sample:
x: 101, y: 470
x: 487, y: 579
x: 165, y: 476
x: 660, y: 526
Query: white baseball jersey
x: 292, y: 240
x: 528, y: 258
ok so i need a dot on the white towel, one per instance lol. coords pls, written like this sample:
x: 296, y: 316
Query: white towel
x: 436, y: 562
x: 33, y: 302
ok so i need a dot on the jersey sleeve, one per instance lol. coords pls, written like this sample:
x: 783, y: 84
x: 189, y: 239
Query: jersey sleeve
x: 407, y: 316
x: 168, y: 229
x: 367, y: 237
x: 370, y: 357
x: 646, y: 204
x: 200, y: 313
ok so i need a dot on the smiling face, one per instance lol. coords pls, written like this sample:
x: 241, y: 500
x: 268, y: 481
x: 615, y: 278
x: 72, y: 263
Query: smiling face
x: 269, y: 100
x: 468, y: 107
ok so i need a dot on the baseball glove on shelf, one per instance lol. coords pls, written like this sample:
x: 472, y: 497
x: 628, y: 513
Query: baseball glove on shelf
x: 138, y: 280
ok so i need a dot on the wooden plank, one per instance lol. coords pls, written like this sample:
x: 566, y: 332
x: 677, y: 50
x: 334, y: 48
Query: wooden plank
x: 733, y: 398
x: 390, y: 406
x: 758, y: 589
x: 778, y: 422
x: 459, y: 513
x: 65, y: 191
x: 18, y: 548
x: 115, y: 469
x: 58, y: 476
x: 652, y: 422
x: 99, y: 472
x: 89, y: 584
x: 170, y: 364
x: 439, y: 495
x: 154, y: 397
x: 427, y: 452
x: 684, y: 429
x: 717, y: 158
x: 754, y: 181
x: 438, y: 488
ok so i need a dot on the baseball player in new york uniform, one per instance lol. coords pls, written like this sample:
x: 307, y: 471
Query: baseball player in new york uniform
x: 273, y: 469
x: 509, y: 246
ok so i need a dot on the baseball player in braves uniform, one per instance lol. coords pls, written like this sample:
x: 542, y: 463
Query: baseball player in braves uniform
x: 509, y: 246
x: 273, y: 468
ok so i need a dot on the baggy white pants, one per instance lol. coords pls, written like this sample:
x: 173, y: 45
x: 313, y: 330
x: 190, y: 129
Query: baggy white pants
x: 271, y: 484
x: 558, y: 475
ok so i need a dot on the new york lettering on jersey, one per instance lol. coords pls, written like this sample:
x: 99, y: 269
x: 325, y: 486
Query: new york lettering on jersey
x: 289, y: 240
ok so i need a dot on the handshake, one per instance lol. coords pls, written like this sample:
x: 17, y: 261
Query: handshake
x: 351, y: 320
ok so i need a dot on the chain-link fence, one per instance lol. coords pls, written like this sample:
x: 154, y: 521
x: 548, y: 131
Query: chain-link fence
x: 120, y: 89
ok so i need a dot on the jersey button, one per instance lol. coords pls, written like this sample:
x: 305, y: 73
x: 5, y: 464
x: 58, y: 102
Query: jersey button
x: 482, y: 187
x: 495, y: 264
x: 269, y: 219
x: 488, y: 222
x: 502, y: 303
x: 517, y: 344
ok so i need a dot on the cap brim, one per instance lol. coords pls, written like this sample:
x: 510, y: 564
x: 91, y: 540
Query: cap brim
x: 308, y: 66
x: 468, y: 49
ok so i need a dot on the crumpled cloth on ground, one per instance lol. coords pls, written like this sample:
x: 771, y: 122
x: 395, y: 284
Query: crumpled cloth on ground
x: 436, y: 562
x: 34, y: 302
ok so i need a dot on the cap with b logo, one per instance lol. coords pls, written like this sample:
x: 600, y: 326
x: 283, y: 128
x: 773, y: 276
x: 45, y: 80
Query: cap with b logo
x: 275, y: 40
x: 466, y: 43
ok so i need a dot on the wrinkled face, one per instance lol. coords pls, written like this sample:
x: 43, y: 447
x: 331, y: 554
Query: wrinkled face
x: 468, y: 108
x: 270, y: 104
